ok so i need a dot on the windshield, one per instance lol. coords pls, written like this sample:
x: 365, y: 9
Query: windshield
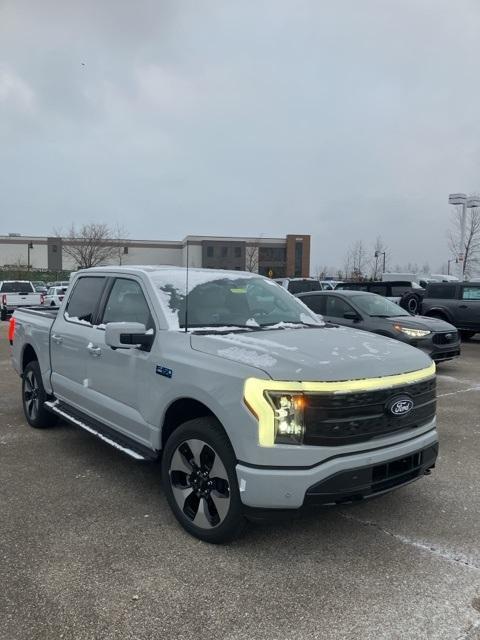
x: 374, y: 305
x: 230, y: 302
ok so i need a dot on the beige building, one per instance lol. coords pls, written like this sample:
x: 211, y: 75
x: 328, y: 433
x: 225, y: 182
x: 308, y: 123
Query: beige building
x: 277, y: 257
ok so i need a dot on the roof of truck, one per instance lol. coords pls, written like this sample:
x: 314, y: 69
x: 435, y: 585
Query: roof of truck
x: 158, y: 269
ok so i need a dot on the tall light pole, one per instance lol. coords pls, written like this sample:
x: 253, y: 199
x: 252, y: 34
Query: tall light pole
x: 470, y: 203
x: 29, y: 246
x: 381, y: 253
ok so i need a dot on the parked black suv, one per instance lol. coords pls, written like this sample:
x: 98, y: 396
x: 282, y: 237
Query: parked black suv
x: 407, y: 294
x: 455, y: 302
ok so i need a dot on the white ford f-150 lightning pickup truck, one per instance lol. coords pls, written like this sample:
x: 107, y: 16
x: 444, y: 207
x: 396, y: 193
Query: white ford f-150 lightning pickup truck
x: 247, y: 398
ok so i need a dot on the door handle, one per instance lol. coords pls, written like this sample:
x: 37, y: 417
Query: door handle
x: 463, y: 306
x: 94, y: 351
x: 57, y: 339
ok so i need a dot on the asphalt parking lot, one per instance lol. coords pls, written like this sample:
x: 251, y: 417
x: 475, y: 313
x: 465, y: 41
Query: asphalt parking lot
x: 90, y: 550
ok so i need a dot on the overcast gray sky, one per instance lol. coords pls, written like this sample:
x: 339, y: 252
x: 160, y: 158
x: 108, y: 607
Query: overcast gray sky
x: 344, y: 119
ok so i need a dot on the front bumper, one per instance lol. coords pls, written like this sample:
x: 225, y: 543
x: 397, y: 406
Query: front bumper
x: 338, y: 479
x: 438, y: 351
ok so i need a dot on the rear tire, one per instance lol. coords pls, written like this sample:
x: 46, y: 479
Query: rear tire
x: 3, y: 314
x: 34, y: 397
x: 411, y: 302
x: 200, y: 481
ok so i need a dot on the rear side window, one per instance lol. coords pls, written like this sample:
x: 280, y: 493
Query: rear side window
x: 316, y: 303
x: 379, y: 289
x: 84, y: 299
x: 399, y: 290
x: 353, y: 286
x: 301, y: 286
x: 442, y: 291
x: 126, y: 303
x: 16, y: 287
x: 471, y: 293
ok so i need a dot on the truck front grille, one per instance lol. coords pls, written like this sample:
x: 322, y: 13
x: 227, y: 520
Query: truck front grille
x: 346, y: 418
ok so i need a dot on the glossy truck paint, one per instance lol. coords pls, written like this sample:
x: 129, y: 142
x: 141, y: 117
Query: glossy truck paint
x: 206, y: 359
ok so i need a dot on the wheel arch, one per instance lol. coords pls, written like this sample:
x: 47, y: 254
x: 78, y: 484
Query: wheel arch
x: 181, y: 410
x: 439, y: 312
x: 28, y: 355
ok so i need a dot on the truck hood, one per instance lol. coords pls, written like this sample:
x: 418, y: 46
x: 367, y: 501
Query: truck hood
x: 317, y: 354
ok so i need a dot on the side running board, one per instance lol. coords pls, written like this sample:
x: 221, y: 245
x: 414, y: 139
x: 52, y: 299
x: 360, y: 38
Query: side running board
x: 101, y: 431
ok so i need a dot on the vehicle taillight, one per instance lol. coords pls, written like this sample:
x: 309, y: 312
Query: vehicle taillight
x: 11, y: 330
x: 4, y: 299
x: 42, y: 298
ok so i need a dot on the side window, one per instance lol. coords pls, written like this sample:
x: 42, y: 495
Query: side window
x: 471, y: 293
x: 316, y: 303
x: 336, y: 307
x: 380, y: 289
x: 84, y: 299
x: 442, y: 291
x: 126, y: 303
x: 398, y: 290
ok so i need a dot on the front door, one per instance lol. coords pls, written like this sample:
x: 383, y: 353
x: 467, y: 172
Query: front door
x: 119, y: 378
x: 469, y: 307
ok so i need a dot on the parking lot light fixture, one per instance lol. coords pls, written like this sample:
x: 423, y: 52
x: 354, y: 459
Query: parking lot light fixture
x: 381, y: 253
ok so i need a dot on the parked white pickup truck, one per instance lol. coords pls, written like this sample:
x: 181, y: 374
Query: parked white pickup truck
x: 15, y: 294
x: 251, y: 401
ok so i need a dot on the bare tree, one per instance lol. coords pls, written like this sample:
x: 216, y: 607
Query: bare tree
x: 251, y: 257
x: 360, y: 260
x: 91, y: 244
x: 471, y: 249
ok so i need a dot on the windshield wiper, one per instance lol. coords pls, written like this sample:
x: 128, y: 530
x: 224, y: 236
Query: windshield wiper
x: 224, y: 327
x: 285, y: 325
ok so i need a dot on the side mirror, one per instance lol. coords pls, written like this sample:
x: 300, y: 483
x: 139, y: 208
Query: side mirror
x: 127, y: 335
x: 351, y: 315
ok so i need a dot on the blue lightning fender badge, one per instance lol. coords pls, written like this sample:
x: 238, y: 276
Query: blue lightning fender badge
x: 163, y: 371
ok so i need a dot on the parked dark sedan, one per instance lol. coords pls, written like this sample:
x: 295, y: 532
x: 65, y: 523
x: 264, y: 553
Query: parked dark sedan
x: 371, y: 312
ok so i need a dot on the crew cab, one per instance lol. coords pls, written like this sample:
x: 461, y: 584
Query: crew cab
x: 252, y: 402
x: 456, y: 302
x: 15, y: 294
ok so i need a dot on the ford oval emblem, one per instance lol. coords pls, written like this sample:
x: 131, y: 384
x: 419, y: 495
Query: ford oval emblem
x: 400, y: 406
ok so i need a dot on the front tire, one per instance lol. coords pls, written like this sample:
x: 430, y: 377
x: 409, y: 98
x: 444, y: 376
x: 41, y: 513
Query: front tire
x: 200, y: 482
x: 34, y: 397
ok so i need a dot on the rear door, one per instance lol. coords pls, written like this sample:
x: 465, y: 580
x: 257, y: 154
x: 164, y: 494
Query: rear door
x: 120, y: 380
x: 71, y: 339
x: 469, y: 307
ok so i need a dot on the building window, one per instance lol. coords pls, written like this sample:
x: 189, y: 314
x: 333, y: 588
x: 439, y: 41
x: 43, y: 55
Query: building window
x: 54, y: 248
x: 273, y: 254
x: 298, y: 257
x: 209, y: 252
x: 125, y: 250
x: 224, y: 252
x: 238, y: 252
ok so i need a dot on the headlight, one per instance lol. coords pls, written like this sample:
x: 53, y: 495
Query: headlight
x: 412, y: 333
x: 288, y: 416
